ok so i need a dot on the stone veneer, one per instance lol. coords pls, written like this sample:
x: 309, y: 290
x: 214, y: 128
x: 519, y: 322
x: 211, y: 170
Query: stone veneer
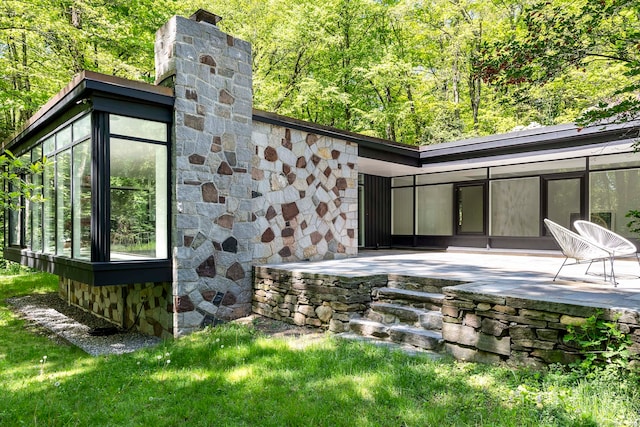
x: 145, y: 305
x: 493, y: 328
x: 211, y: 159
x: 305, y: 190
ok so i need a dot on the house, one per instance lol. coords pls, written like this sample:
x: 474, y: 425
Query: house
x: 160, y: 198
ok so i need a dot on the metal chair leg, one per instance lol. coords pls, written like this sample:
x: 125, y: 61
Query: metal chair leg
x: 556, y: 276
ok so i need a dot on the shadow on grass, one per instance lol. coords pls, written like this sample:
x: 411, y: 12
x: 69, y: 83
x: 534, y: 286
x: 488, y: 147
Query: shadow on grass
x: 230, y: 376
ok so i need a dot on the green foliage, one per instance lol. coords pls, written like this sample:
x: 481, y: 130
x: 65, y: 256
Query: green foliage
x: 14, y: 176
x: 551, y: 39
x: 634, y: 224
x: 601, y: 343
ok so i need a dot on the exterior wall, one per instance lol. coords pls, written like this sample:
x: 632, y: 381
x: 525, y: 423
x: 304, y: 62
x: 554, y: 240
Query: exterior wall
x: 211, y: 156
x: 145, y: 305
x: 490, y: 328
x: 305, y: 190
x: 317, y: 300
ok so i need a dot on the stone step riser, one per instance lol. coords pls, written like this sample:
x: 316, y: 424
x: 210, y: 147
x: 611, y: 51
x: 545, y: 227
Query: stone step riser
x: 391, y: 314
x: 426, y: 340
x: 412, y: 304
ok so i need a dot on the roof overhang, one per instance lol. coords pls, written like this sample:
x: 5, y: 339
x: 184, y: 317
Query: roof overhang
x: 90, y: 86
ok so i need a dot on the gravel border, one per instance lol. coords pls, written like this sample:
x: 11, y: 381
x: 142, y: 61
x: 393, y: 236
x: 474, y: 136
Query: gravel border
x: 73, y: 325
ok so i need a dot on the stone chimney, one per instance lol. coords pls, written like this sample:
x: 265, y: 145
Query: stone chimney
x: 212, y: 225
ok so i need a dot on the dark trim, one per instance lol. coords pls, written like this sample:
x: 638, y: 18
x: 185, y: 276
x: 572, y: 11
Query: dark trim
x: 102, y: 87
x: 368, y: 146
x: 95, y: 273
x: 377, y: 208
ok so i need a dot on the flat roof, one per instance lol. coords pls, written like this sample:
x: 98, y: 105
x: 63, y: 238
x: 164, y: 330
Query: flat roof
x: 82, y: 84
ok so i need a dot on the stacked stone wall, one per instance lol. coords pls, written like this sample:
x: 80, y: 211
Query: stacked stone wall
x: 493, y: 328
x: 147, y: 307
x: 305, y: 190
x: 322, y: 301
x: 212, y: 221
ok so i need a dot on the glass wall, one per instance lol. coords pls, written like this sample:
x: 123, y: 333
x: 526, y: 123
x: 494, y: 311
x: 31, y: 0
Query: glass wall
x: 515, y: 207
x: 519, y: 197
x: 138, y: 194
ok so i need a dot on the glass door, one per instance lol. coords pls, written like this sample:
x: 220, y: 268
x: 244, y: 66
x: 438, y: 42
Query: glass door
x: 470, y: 208
x: 564, y: 200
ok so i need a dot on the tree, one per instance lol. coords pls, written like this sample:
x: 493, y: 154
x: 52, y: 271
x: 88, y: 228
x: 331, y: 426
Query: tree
x: 554, y: 37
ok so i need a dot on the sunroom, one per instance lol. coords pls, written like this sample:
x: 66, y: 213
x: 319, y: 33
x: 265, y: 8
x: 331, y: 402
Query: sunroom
x: 105, y: 217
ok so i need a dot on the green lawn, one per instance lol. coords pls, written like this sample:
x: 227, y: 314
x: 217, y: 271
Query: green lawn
x: 232, y: 376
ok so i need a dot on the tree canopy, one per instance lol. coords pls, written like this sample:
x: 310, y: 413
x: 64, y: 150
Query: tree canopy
x: 414, y: 71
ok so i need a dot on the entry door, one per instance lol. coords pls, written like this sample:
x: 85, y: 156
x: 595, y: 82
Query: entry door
x: 564, y: 200
x: 470, y: 208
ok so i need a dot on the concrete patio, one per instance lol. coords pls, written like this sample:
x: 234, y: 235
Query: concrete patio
x: 514, y: 273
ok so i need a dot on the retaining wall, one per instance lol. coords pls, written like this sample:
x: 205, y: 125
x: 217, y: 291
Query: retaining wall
x: 493, y: 328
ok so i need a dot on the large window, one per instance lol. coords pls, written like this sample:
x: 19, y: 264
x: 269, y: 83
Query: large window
x: 612, y: 195
x: 434, y: 210
x: 138, y: 189
x: 515, y: 207
x: 402, y: 211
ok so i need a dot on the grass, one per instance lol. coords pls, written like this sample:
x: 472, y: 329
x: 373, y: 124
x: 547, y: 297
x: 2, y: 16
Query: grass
x: 233, y: 376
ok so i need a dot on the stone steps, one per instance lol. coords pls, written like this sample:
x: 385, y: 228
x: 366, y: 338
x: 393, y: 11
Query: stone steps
x: 389, y: 313
x: 405, y: 316
x: 398, y: 333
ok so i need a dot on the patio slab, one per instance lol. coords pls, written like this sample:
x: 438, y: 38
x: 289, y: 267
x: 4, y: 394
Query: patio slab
x: 516, y: 275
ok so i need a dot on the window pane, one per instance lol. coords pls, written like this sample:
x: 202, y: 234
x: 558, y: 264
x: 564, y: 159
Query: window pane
x: 15, y: 225
x: 515, y: 207
x: 400, y: 181
x: 138, y: 200
x: 434, y: 210
x: 402, y: 211
x: 563, y: 201
x: 82, y: 200
x: 612, y: 195
x: 137, y: 128
x: 63, y: 203
x: 63, y: 138
x: 49, y: 207
x: 36, y: 216
x: 454, y: 176
x: 82, y: 128
x: 537, y: 168
x: 49, y: 146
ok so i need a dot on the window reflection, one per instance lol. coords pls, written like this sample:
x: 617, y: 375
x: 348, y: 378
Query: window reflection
x: 138, y: 199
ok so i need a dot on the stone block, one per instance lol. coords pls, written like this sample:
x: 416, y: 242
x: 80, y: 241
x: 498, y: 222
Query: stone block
x: 494, y: 327
x: 459, y: 334
x: 483, y: 306
x: 493, y: 344
x: 572, y: 321
x: 547, y: 334
x: 472, y: 320
x: 520, y: 332
x: 324, y: 313
x: 471, y: 355
x: 451, y: 311
x: 540, y: 315
x: 505, y: 309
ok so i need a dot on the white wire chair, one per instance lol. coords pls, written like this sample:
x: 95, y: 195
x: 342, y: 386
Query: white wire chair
x: 618, y: 245
x: 580, y: 248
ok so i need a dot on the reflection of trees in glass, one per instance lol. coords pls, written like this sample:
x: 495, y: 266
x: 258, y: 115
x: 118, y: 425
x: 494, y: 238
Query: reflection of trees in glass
x: 133, y: 198
x: 63, y: 198
x: 82, y: 200
x: 613, y: 194
x: 49, y: 208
